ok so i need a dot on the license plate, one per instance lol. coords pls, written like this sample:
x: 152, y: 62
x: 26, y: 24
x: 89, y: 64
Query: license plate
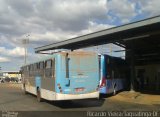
x: 79, y: 89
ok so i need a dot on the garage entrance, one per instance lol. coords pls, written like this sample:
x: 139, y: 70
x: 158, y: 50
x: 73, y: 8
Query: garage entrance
x: 141, y: 41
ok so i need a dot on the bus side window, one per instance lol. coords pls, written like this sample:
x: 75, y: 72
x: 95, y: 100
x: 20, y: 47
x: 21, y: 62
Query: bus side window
x: 53, y: 68
x: 23, y: 71
x: 48, y: 64
x: 41, y: 69
x: 109, y: 69
x: 35, y: 66
x: 41, y: 65
x: 27, y: 71
x: 31, y: 70
x: 48, y: 68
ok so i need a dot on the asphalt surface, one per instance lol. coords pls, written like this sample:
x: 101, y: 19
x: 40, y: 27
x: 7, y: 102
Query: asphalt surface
x: 12, y: 98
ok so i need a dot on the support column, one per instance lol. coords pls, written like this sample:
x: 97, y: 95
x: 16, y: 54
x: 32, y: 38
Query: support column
x: 132, y: 69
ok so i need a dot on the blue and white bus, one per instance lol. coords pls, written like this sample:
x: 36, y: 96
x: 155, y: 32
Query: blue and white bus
x: 113, y: 74
x: 63, y: 76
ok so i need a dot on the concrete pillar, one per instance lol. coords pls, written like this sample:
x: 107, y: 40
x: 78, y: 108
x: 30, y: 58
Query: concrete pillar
x: 132, y: 70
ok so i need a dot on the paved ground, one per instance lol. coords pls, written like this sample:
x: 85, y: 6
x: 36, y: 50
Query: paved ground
x: 138, y: 97
x: 13, y: 99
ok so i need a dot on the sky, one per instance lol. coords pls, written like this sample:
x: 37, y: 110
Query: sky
x: 49, y: 21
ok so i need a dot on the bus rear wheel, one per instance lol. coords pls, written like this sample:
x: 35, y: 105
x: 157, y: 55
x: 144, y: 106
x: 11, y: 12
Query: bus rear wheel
x: 114, y: 89
x: 39, y: 99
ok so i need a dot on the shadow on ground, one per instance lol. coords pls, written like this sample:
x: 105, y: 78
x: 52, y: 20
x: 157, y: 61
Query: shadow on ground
x: 84, y: 103
x: 102, y: 96
x: 149, y: 92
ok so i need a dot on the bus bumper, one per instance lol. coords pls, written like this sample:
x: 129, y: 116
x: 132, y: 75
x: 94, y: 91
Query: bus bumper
x: 103, y: 90
x: 60, y: 96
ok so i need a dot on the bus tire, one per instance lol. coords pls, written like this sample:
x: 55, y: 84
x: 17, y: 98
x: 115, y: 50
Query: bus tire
x: 39, y: 99
x: 114, y: 89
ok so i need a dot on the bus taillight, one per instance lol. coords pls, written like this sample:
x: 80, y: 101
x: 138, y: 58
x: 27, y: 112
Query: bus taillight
x: 103, y: 84
x: 60, y: 88
x: 97, y: 89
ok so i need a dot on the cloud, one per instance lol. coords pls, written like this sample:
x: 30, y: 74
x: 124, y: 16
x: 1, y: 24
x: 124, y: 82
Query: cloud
x: 150, y: 7
x: 15, y: 52
x: 47, y: 21
x: 38, y: 39
x: 18, y: 51
x: 4, y: 59
x: 67, y: 14
x: 94, y: 27
x: 122, y: 9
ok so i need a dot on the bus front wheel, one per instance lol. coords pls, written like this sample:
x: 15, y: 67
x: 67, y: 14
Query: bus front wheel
x: 39, y: 99
x: 24, y: 89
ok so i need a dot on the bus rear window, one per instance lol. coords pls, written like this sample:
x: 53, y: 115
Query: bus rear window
x: 78, y: 62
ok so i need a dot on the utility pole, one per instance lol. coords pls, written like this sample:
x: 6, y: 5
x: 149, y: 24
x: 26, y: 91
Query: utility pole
x: 110, y: 49
x: 25, y: 42
x: 0, y: 71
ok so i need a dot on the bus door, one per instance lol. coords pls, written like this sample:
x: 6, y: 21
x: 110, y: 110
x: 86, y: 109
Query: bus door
x: 109, y: 74
x: 113, y: 82
x: 113, y: 79
x: 116, y: 82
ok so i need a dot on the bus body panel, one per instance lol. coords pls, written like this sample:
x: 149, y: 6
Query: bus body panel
x: 48, y: 84
x: 30, y: 85
x: 79, y: 81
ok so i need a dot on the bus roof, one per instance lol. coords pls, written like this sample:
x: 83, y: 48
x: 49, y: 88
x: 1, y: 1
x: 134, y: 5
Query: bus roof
x: 49, y: 56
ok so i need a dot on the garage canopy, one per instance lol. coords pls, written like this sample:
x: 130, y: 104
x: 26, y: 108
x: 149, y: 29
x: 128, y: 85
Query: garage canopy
x: 142, y: 38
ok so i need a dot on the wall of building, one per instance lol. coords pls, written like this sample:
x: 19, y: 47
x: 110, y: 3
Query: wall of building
x: 14, y: 75
x: 11, y: 74
x: 151, y: 75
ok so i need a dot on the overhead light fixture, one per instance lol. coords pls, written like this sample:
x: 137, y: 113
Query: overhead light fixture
x: 119, y: 51
x: 119, y: 44
x: 150, y: 54
x: 137, y: 37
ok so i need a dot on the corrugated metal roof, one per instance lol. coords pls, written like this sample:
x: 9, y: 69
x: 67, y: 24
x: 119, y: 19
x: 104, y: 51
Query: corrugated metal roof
x: 105, y: 36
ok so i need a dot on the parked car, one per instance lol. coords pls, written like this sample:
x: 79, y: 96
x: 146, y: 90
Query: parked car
x: 14, y: 79
x: 7, y: 79
x: 1, y: 80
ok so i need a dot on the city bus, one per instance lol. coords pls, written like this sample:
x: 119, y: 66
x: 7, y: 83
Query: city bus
x: 63, y: 76
x: 114, y: 74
